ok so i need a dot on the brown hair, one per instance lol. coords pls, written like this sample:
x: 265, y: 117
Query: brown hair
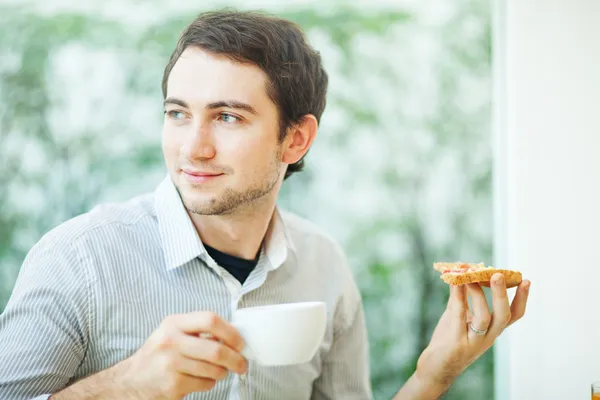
x: 297, y: 80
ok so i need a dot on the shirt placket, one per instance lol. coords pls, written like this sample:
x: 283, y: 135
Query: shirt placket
x: 242, y: 388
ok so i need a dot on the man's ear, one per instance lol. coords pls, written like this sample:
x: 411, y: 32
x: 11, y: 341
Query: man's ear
x: 299, y: 138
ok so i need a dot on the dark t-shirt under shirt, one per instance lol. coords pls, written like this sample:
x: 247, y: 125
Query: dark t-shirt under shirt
x: 240, y: 268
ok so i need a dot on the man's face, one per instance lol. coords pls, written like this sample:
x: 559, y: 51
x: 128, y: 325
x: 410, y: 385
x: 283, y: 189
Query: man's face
x: 220, y: 134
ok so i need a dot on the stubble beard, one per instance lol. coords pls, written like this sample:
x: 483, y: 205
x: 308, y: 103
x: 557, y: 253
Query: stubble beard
x: 231, y: 200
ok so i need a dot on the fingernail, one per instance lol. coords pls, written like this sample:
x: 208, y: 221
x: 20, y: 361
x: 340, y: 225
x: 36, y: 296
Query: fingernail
x: 500, y: 280
x: 527, y: 286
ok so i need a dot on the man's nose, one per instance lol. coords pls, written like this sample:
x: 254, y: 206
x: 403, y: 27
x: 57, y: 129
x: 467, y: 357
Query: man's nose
x: 200, y: 144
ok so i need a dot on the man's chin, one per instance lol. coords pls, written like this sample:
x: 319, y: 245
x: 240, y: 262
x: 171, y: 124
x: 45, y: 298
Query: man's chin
x: 198, y: 204
x: 204, y: 209
x: 204, y: 204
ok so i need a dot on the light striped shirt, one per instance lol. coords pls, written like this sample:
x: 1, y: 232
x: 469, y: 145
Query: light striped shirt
x: 92, y: 290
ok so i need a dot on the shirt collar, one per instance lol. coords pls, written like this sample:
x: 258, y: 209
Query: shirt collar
x: 181, y: 242
x: 277, y: 241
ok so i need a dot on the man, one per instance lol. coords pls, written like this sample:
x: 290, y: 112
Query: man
x: 133, y: 300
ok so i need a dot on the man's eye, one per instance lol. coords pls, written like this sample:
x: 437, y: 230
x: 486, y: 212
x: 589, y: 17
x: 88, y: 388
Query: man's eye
x: 174, y: 114
x: 228, y: 118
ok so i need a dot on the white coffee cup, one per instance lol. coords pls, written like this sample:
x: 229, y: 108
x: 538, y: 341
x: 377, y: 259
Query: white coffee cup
x: 282, y: 334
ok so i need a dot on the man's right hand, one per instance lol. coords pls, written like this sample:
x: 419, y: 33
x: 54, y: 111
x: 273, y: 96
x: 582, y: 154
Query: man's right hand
x: 187, y: 353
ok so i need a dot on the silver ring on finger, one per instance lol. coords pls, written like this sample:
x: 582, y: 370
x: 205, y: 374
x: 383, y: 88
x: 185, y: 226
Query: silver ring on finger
x: 478, y: 332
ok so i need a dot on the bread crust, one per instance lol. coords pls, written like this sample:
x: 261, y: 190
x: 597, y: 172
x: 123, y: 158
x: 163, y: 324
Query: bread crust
x: 483, y: 277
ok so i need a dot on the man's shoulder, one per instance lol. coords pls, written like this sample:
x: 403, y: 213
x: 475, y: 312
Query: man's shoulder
x: 303, y: 229
x: 309, y: 238
x: 102, y: 220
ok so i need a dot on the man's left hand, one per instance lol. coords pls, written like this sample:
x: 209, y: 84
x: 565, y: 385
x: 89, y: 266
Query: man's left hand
x: 463, y: 335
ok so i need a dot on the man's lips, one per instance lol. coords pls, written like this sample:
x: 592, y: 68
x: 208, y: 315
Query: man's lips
x: 199, y: 176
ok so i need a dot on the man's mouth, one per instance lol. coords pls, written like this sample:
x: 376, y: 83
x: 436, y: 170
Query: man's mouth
x: 194, y: 176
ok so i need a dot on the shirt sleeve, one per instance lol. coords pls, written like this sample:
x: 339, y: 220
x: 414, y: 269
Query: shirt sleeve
x: 346, y: 374
x: 43, y: 330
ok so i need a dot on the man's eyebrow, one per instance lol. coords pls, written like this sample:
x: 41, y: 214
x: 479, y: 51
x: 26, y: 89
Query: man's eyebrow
x: 173, y: 100
x: 216, y: 104
x: 232, y: 104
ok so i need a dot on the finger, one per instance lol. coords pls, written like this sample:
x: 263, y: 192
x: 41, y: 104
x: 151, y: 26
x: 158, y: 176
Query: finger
x: 208, y: 322
x: 457, y: 310
x: 457, y: 302
x: 213, y: 352
x: 200, y: 369
x: 519, y: 303
x: 481, y: 313
x: 502, y: 314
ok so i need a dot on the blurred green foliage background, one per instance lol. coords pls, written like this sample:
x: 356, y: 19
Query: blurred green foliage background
x: 400, y: 172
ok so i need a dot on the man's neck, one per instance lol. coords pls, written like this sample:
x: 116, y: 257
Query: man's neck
x: 239, y: 234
